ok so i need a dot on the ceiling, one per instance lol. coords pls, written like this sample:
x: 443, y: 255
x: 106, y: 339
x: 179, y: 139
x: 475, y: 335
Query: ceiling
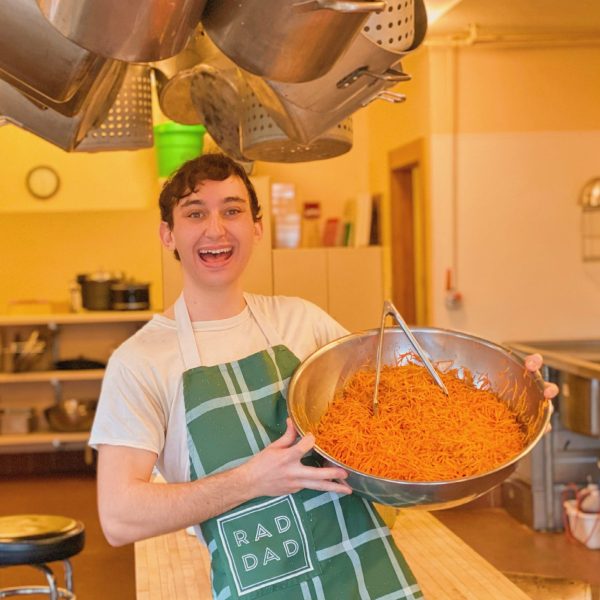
x: 516, y: 16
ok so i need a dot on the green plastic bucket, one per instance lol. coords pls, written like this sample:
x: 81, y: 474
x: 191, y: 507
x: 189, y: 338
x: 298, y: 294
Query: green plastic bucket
x: 175, y: 144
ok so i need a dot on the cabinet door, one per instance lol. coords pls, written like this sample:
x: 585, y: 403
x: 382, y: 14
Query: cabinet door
x: 355, y: 286
x: 301, y: 272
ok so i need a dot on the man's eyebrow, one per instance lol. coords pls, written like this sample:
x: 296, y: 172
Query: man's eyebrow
x: 200, y: 202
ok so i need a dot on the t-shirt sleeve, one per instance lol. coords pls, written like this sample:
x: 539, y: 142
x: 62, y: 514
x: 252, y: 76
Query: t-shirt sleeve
x: 129, y: 412
x: 326, y: 328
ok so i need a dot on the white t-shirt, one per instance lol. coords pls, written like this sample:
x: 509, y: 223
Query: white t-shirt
x: 141, y: 402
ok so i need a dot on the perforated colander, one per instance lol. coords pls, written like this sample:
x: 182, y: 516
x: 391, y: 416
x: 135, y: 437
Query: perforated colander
x: 398, y: 27
x: 128, y: 124
x: 263, y: 139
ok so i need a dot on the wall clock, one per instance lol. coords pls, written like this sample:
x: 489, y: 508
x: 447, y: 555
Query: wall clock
x: 42, y: 182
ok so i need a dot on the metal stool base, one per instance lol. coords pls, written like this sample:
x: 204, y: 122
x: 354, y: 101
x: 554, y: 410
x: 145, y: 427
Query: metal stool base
x: 52, y: 590
x: 62, y: 594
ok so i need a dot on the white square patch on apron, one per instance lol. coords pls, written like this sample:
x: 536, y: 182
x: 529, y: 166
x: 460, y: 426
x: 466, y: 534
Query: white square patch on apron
x: 265, y: 544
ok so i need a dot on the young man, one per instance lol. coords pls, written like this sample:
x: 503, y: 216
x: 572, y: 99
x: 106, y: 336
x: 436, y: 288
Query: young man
x: 200, y: 392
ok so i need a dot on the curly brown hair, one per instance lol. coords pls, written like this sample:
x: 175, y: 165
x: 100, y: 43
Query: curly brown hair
x: 211, y: 166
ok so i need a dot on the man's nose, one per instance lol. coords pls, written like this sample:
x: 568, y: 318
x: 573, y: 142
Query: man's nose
x: 215, y: 227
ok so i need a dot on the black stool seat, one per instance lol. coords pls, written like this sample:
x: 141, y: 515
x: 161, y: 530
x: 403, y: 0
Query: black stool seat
x: 37, y: 539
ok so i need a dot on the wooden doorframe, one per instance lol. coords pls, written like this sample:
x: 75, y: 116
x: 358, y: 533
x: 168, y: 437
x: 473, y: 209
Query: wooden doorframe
x: 405, y: 180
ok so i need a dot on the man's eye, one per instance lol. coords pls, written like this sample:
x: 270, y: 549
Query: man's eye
x: 196, y: 214
x: 233, y: 211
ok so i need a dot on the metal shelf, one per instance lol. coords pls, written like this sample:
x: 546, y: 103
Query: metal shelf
x: 84, y: 318
x: 43, y: 441
x: 52, y: 376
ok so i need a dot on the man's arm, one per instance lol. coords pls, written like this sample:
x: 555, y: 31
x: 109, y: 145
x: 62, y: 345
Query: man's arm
x: 132, y: 508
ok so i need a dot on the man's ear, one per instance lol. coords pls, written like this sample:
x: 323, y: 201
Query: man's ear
x: 258, y: 230
x: 166, y: 236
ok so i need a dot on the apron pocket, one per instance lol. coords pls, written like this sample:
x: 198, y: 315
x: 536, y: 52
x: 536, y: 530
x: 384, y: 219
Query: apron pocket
x: 266, y: 546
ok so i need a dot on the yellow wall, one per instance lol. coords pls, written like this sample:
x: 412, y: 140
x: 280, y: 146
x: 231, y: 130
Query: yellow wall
x: 392, y: 126
x: 516, y: 133
x: 102, y: 217
x: 515, y: 89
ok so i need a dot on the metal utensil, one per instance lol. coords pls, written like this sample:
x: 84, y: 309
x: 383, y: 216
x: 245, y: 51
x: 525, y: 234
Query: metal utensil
x: 41, y: 63
x: 364, y: 73
x: 131, y: 31
x: 390, y: 309
x: 285, y: 40
x: 61, y: 130
x: 263, y: 139
x: 174, y: 76
x: 128, y: 123
x: 215, y: 93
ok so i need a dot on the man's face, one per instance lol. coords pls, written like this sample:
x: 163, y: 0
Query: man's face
x: 213, y: 232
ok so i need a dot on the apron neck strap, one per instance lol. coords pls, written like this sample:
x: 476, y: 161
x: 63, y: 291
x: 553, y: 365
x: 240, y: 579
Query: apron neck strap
x: 185, y: 335
x: 264, y: 324
x: 187, y: 339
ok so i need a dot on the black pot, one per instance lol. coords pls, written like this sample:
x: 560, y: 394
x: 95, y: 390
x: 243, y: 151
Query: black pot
x: 130, y: 296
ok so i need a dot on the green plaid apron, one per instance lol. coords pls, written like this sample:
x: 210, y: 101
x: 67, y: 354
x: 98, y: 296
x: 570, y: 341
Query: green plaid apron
x: 305, y: 546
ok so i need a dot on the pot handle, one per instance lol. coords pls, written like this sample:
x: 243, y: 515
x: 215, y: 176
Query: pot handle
x: 388, y: 96
x: 345, y: 6
x: 391, y: 75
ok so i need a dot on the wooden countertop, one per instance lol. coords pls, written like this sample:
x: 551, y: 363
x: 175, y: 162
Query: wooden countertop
x: 177, y: 565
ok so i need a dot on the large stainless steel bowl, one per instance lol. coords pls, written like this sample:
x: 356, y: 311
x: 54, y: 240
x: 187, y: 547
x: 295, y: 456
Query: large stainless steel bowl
x: 321, y: 375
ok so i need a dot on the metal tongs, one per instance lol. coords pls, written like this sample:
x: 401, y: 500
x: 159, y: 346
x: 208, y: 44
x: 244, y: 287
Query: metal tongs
x: 390, y: 309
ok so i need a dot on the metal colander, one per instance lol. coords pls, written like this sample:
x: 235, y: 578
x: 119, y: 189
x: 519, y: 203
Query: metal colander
x: 394, y: 27
x: 128, y: 124
x: 263, y: 139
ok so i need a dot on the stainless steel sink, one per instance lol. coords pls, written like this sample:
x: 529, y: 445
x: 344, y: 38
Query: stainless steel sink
x: 579, y: 357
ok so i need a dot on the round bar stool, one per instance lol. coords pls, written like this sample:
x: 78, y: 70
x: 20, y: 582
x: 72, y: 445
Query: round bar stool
x: 36, y: 540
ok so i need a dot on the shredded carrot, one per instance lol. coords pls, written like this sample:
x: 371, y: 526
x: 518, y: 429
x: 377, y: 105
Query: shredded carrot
x: 419, y: 433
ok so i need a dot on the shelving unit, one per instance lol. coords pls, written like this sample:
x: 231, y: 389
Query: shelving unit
x: 93, y: 334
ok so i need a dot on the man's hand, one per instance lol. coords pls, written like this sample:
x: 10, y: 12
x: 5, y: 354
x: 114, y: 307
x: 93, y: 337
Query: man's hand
x: 277, y: 470
x: 533, y: 363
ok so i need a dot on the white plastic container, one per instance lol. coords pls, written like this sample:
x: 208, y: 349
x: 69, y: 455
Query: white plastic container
x: 287, y: 231
x: 584, y: 526
x: 589, y: 498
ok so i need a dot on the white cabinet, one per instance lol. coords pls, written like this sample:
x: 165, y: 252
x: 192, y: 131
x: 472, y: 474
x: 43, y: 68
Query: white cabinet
x: 346, y: 282
x: 93, y: 335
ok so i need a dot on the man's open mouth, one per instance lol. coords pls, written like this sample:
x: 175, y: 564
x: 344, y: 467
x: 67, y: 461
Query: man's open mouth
x: 215, y: 255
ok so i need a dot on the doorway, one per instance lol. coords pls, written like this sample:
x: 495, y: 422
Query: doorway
x: 408, y: 233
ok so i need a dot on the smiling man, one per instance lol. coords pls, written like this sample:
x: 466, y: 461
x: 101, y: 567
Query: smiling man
x: 199, y: 392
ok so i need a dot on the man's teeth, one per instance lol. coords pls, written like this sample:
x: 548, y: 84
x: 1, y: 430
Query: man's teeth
x: 219, y: 251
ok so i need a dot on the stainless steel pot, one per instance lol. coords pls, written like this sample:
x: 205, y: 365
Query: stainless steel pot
x: 71, y: 414
x: 95, y: 290
x: 61, y: 130
x: 580, y: 403
x: 130, y: 30
x: 285, y: 40
x: 365, y: 72
x: 129, y: 295
x: 316, y: 381
x: 40, y: 62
